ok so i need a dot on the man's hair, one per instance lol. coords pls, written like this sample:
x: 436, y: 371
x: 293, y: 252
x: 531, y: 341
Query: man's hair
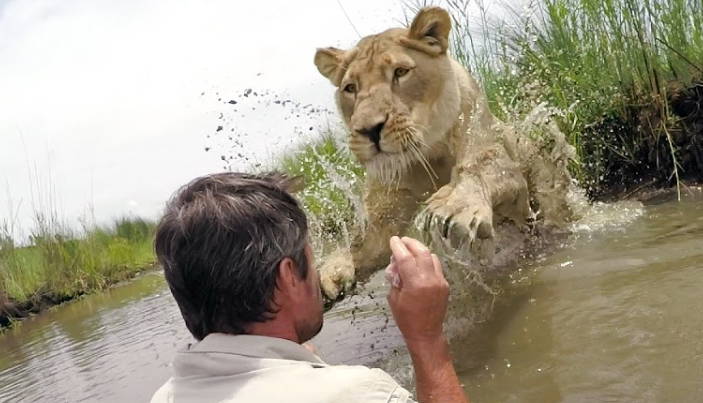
x: 220, y: 242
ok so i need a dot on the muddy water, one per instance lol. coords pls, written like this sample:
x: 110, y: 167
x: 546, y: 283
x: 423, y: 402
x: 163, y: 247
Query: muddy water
x: 614, y: 315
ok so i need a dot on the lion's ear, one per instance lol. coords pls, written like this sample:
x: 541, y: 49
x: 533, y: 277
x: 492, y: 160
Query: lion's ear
x: 429, y: 31
x: 327, y: 61
x: 296, y: 184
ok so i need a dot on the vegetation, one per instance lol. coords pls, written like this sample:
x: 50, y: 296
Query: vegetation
x: 626, y: 76
x: 58, y: 265
x: 333, y: 181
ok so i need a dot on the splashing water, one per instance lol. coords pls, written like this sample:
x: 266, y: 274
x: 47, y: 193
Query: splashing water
x: 476, y: 288
x: 599, y: 217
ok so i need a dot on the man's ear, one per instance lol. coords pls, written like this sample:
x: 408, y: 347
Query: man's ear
x: 429, y: 31
x: 327, y: 61
x: 287, y: 279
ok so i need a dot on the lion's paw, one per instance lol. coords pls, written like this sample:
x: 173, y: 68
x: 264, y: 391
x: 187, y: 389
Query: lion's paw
x: 337, y: 277
x: 462, y: 219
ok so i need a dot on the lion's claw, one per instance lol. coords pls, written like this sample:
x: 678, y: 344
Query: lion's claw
x: 464, y: 221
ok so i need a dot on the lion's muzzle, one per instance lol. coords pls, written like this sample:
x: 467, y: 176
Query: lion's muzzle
x: 372, y: 131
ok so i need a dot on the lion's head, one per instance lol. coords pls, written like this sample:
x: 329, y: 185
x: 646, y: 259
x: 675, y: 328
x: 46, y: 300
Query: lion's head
x: 397, y: 93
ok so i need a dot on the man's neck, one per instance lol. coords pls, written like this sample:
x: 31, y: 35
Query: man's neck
x: 273, y: 328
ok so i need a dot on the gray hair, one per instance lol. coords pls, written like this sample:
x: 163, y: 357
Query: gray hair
x: 220, y: 242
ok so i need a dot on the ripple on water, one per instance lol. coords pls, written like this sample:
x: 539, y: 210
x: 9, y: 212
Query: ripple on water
x: 120, y: 352
x: 612, y: 317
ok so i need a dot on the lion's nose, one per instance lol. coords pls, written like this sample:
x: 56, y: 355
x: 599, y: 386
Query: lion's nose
x: 373, y: 132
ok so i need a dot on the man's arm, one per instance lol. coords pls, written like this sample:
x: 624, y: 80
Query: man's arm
x: 435, y: 378
x: 419, y: 303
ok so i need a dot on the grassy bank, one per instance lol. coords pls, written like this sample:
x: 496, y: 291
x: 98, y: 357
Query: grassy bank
x: 625, y: 75
x: 58, y: 265
x: 333, y: 178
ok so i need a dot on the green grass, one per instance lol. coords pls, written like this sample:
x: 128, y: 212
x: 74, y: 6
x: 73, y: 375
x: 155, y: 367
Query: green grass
x: 332, y: 195
x: 60, y: 265
x: 57, y: 261
x: 623, y: 73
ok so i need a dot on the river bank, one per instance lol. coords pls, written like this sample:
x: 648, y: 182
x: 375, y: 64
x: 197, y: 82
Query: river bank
x: 623, y: 81
x: 60, y: 266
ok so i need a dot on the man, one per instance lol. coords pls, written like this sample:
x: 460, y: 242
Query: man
x: 236, y: 256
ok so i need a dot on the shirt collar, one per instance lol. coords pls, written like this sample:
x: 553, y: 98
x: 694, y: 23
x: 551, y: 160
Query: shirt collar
x: 254, y: 346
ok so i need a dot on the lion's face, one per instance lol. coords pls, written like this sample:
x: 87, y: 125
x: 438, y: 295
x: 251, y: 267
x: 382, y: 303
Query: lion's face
x: 396, y: 93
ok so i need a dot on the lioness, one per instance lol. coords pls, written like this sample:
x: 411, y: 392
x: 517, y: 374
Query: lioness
x: 422, y: 129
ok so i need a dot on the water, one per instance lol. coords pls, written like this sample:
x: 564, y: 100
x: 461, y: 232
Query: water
x: 612, y: 316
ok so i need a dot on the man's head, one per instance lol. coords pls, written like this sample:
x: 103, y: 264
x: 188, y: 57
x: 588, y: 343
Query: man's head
x: 236, y: 256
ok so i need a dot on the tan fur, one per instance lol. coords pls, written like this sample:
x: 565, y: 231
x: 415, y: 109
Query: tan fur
x: 439, y: 146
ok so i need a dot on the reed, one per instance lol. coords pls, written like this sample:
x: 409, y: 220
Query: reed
x: 626, y: 74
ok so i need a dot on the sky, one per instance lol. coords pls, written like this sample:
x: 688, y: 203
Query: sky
x: 108, y: 106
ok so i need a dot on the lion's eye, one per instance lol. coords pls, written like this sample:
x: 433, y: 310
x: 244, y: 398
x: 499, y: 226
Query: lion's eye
x: 350, y: 88
x: 400, y: 72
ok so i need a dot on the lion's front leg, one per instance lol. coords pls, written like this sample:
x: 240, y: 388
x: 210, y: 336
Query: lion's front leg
x: 388, y: 212
x: 487, y: 186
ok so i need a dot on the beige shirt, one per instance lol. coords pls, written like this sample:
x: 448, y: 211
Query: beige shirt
x: 260, y: 369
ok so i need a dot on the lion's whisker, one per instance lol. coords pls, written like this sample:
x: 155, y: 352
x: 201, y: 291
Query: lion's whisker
x: 413, y: 147
x: 425, y: 164
x: 420, y: 132
x: 418, y: 138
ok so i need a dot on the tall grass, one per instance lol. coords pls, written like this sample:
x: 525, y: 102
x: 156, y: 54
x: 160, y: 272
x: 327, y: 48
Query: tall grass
x: 615, y: 68
x: 57, y: 261
x: 59, y: 265
x: 333, y: 182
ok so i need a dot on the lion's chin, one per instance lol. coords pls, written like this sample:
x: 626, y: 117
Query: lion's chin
x: 389, y: 168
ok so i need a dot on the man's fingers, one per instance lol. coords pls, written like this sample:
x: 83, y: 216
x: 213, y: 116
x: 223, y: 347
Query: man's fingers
x: 422, y: 254
x: 438, y: 267
x: 404, y: 260
x: 392, y: 296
